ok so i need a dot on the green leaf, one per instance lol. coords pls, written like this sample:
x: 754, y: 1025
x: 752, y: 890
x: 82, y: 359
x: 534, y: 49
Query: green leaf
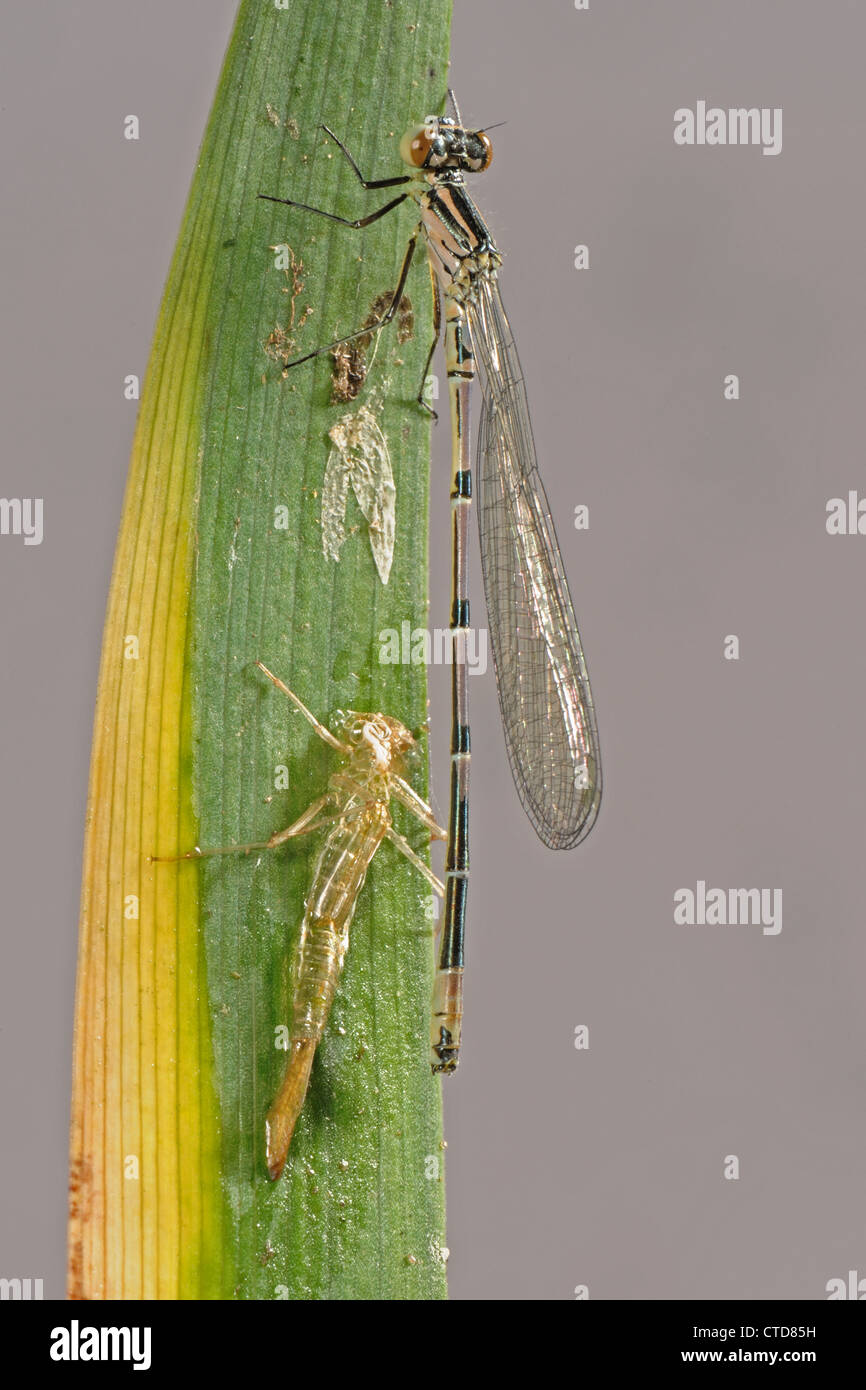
x: 184, y: 969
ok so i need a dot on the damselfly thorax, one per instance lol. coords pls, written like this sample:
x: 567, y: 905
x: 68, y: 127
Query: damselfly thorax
x: 461, y: 251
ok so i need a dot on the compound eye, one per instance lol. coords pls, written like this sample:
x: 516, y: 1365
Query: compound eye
x: 486, y: 151
x: 356, y: 733
x: 417, y: 150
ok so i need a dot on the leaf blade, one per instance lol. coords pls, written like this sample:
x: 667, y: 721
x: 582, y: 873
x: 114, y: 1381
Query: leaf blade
x: 175, y: 1009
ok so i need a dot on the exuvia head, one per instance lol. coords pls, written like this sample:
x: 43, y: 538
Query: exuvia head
x: 442, y: 143
x: 384, y: 738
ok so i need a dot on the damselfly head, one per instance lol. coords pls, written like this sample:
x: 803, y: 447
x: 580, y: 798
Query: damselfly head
x: 442, y: 143
x: 384, y: 738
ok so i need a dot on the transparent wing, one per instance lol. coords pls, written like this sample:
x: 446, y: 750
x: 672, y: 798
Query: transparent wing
x: 541, y: 677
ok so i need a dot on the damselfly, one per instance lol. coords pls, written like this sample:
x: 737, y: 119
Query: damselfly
x: 541, y: 676
x: 374, y: 748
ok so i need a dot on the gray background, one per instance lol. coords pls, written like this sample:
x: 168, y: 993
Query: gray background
x: 602, y: 1167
